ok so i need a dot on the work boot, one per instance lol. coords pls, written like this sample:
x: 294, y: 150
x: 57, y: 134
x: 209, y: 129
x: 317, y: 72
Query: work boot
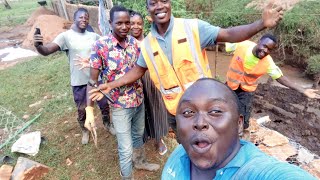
x: 85, y: 137
x: 109, y: 127
x: 140, y: 162
x: 130, y: 177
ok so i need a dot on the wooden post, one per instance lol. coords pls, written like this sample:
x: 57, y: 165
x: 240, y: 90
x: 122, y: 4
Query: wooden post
x: 109, y: 4
x: 63, y: 3
x: 6, y: 5
x: 215, y: 61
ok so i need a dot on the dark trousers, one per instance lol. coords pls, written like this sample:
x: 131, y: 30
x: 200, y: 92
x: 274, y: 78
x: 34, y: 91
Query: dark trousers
x: 80, y: 98
x: 245, y: 99
x: 173, y: 124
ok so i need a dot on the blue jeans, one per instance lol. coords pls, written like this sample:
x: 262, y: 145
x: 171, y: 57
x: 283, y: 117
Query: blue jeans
x: 129, y: 125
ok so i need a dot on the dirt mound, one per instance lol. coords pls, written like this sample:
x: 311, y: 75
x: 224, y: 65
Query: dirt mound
x: 260, y: 4
x: 38, y: 12
x: 18, y: 34
x: 291, y: 113
x: 50, y: 26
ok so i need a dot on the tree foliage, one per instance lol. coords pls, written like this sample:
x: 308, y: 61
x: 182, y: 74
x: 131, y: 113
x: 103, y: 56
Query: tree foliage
x: 178, y: 8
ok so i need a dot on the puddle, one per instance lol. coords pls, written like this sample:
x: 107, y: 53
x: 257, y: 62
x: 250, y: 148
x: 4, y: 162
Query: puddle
x: 8, y: 41
x: 14, y: 53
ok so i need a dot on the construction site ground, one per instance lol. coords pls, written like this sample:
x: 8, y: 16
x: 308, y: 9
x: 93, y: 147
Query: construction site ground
x: 290, y: 130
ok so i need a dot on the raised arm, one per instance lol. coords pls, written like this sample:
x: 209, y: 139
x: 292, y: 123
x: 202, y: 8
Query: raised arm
x: 44, y: 49
x: 133, y: 75
x: 130, y: 77
x: 271, y: 15
x: 311, y: 93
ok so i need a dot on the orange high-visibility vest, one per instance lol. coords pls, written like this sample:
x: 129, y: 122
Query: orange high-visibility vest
x: 238, y: 75
x: 190, y: 63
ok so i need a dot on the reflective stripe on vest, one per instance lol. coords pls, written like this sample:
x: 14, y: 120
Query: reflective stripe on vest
x: 189, y: 62
x: 244, y: 73
x: 194, y: 54
x: 242, y: 83
x: 187, y: 28
x: 239, y: 76
x: 151, y: 56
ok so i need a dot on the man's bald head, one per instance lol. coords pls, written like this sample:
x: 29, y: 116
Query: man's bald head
x: 208, y: 123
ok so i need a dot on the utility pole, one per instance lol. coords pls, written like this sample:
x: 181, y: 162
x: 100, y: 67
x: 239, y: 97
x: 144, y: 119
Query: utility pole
x: 63, y: 4
x: 109, y: 4
x: 6, y: 5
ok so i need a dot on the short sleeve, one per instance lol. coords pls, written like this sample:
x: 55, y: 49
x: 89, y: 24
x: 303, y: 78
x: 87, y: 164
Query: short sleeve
x: 141, y: 62
x: 208, y: 33
x: 273, y: 70
x: 95, y: 58
x: 60, y: 40
x: 231, y: 47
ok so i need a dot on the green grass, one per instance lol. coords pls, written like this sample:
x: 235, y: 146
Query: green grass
x: 29, y: 82
x: 19, y: 12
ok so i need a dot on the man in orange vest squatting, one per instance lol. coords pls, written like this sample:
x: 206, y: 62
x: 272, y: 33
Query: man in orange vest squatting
x: 251, y: 61
x: 173, y: 51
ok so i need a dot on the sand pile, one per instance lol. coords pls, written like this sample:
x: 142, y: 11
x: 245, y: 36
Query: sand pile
x: 40, y: 11
x: 50, y: 26
x: 17, y: 35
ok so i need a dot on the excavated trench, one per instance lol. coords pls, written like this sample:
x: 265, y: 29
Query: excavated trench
x: 291, y: 114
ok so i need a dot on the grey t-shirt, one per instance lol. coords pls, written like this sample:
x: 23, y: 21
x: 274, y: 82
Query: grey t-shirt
x: 77, y: 43
x: 207, y: 33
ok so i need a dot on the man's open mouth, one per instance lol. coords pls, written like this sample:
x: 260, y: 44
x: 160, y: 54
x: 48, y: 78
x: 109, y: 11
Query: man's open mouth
x: 201, y: 145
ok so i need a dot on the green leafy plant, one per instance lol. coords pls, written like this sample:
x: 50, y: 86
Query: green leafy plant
x: 299, y: 32
x: 313, y: 64
x: 178, y: 9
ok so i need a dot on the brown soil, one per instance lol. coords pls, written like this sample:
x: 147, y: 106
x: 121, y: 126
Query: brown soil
x: 40, y: 11
x: 292, y: 114
x: 50, y: 26
x: 18, y: 34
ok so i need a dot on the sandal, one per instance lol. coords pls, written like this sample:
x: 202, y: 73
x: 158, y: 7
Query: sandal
x: 163, y: 149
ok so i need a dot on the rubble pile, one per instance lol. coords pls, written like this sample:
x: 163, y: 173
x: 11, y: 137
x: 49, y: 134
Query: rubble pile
x: 275, y: 144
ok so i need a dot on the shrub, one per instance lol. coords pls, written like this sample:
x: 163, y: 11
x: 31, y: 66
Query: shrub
x: 223, y: 13
x: 178, y: 9
x: 313, y: 64
x: 299, y: 32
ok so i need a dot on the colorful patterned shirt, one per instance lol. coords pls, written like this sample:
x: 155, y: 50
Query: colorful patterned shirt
x: 114, y: 61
